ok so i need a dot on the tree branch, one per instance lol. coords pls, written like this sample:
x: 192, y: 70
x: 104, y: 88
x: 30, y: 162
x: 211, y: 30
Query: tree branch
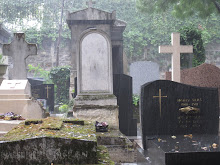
x: 217, y: 5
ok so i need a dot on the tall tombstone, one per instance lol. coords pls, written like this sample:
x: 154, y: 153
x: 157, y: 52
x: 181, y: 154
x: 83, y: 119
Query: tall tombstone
x: 175, y: 49
x: 19, y: 50
x: 97, y: 53
x: 91, y: 18
x: 143, y: 72
x: 122, y: 89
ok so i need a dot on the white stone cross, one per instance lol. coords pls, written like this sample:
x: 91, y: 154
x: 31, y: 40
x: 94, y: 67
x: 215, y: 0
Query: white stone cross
x: 90, y: 3
x: 176, y: 49
x: 19, y: 50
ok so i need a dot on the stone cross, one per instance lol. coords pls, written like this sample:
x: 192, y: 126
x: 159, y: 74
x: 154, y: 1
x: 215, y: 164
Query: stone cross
x: 176, y: 49
x: 19, y: 50
x: 90, y: 3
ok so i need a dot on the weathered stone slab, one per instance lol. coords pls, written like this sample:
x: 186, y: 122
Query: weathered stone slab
x: 143, y: 72
x: 47, y: 150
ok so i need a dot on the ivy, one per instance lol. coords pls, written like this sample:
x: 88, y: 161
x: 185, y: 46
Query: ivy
x: 192, y: 36
x: 61, y: 78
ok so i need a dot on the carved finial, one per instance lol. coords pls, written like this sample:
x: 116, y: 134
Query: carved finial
x: 90, y: 3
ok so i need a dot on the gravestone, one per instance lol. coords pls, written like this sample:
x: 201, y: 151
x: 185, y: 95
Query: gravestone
x: 123, y: 91
x: 91, y: 18
x: 178, y: 120
x: 19, y: 50
x: 176, y: 49
x: 15, y: 96
x: 44, y: 91
x: 143, y: 72
x: 95, y: 100
x: 204, y: 75
x: 97, y: 51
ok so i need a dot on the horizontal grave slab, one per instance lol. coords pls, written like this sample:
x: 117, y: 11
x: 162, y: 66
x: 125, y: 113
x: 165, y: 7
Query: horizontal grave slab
x: 46, y: 150
x: 183, y: 150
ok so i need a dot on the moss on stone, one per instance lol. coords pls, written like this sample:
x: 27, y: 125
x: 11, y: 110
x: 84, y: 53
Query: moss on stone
x: 103, y: 155
x: 47, y: 129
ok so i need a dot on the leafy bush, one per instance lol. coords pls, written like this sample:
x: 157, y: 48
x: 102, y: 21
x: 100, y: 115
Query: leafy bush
x: 64, y: 108
x: 61, y: 78
x: 135, y: 100
x: 192, y: 36
x: 40, y: 72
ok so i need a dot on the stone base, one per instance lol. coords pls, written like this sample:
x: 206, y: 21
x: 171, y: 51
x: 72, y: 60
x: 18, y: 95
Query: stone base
x: 27, y: 108
x: 108, y: 113
x: 101, y: 100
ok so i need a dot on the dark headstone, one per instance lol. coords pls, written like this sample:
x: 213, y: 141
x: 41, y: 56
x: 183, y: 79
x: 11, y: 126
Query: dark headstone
x: 122, y: 89
x: 170, y: 110
x: 35, y: 81
x: 47, y: 150
x: 44, y: 91
x: 173, y: 115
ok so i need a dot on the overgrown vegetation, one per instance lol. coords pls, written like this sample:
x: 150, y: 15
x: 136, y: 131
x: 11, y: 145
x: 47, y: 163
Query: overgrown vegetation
x: 144, y: 32
x: 192, y: 36
x: 61, y: 78
x: 52, y: 127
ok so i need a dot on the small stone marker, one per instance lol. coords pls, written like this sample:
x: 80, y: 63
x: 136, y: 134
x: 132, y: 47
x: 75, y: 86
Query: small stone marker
x: 90, y: 3
x: 19, y: 50
x: 176, y: 49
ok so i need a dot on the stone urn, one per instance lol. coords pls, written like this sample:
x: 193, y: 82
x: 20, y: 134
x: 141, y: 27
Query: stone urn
x: 3, y: 69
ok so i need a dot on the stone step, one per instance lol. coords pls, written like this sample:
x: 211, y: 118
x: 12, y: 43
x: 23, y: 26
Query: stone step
x: 4, y: 96
x: 7, y: 125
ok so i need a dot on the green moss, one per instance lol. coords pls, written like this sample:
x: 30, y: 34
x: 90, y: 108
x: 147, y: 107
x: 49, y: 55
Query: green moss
x: 33, y: 121
x: 52, y: 123
x: 47, y: 128
x: 103, y: 155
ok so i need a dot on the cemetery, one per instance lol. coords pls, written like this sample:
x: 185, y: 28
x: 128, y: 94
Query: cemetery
x: 110, y: 82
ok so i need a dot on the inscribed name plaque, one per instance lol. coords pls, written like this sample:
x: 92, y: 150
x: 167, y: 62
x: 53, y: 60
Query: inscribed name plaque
x: 95, y: 66
x: 170, y: 108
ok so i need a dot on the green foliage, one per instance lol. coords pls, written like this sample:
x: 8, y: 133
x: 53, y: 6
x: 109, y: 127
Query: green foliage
x: 192, y: 36
x: 61, y: 78
x: 143, y: 31
x: 64, y: 108
x: 40, y: 72
x: 2, y: 59
x: 181, y: 8
x: 136, y: 99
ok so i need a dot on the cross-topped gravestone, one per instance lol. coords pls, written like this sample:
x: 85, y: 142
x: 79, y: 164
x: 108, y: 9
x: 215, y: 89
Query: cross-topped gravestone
x: 176, y: 49
x: 90, y: 3
x: 19, y: 50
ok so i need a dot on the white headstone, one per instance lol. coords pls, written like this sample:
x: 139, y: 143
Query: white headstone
x: 95, y: 70
x: 176, y: 49
x: 15, y: 87
x: 143, y: 72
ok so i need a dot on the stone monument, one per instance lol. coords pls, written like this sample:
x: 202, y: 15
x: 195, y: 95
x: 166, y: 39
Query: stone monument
x: 97, y: 51
x: 180, y: 123
x: 143, y: 72
x: 15, y: 96
x: 19, y: 50
x: 176, y: 49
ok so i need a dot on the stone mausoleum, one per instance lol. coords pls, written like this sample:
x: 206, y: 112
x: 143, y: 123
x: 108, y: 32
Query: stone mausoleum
x: 97, y: 54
